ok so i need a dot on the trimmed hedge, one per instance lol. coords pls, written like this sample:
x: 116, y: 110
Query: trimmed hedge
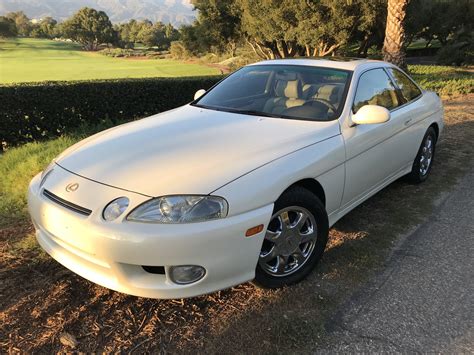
x: 35, y: 111
x: 422, y: 52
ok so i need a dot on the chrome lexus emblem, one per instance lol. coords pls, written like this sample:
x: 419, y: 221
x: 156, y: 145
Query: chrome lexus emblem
x: 72, y: 187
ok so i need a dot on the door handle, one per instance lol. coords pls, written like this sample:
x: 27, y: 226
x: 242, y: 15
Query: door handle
x: 407, y: 122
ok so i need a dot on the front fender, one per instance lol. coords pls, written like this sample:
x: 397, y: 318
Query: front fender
x: 323, y: 161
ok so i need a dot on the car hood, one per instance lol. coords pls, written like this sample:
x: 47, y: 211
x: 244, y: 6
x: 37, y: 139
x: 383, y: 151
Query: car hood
x: 189, y: 150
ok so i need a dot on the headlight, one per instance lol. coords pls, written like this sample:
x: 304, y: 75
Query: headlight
x: 180, y: 209
x: 115, y: 208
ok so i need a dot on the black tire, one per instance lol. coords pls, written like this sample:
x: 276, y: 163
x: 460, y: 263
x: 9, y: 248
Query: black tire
x: 303, y: 200
x: 419, y: 172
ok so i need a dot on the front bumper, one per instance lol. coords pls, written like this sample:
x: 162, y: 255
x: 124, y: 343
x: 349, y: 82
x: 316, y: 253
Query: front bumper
x: 112, y: 254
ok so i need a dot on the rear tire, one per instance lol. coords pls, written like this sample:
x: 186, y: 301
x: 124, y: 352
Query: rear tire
x: 294, y: 241
x: 424, y: 159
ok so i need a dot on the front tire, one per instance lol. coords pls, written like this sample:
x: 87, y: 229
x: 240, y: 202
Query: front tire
x: 424, y: 159
x: 294, y: 241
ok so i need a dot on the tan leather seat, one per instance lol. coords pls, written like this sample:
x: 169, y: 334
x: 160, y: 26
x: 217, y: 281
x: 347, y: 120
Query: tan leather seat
x: 310, y: 91
x: 329, y: 93
x: 287, y: 94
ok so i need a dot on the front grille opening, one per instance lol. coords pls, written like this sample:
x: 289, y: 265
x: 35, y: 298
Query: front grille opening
x: 160, y: 270
x: 69, y: 205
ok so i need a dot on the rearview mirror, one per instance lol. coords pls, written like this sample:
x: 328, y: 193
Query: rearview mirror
x: 199, y: 93
x: 371, y: 114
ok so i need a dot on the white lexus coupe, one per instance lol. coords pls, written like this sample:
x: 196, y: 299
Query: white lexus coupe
x: 241, y: 184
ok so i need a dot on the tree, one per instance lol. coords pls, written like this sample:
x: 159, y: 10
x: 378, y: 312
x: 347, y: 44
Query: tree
x: 153, y: 35
x: 192, y: 40
x: 276, y: 29
x: 458, y: 47
x: 128, y: 32
x: 270, y: 27
x: 324, y: 26
x: 393, y: 47
x: 437, y: 20
x: 90, y: 28
x: 371, y: 29
x: 7, y: 27
x: 46, y: 28
x: 172, y: 34
x: 282, y: 29
x: 219, y: 25
x: 22, y: 22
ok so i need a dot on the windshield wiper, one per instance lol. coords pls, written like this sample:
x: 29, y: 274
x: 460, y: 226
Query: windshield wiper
x: 234, y: 110
x: 255, y: 113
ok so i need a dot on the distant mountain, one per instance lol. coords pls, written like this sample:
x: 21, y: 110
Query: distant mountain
x: 177, y: 12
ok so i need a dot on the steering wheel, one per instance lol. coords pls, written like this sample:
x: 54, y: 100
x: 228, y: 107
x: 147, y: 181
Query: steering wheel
x: 326, y: 103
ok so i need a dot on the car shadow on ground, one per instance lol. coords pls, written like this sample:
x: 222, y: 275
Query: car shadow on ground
x: 41, y: 299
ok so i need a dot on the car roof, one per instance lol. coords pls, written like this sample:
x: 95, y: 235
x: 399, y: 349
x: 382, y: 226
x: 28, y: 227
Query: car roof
x: 346, y: 63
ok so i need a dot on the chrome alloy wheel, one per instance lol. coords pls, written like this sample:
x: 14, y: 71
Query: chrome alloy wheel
x: 426, y: 155
x: 289, y: 241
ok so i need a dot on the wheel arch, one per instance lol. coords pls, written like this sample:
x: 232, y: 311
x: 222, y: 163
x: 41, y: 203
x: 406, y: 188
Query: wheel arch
x: 313, y: 186
x: 436, y: 128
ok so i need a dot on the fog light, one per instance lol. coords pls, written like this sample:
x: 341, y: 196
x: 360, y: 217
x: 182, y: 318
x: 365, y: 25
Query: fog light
x: 186, y: 274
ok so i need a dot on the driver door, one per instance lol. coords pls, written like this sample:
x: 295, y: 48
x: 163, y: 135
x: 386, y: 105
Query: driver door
x: 374, y: 152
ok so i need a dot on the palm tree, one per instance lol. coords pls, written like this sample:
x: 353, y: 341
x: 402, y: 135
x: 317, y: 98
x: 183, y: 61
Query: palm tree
x: 393, y: 50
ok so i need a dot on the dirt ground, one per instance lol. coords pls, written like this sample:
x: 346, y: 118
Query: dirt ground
x: 46, y: 308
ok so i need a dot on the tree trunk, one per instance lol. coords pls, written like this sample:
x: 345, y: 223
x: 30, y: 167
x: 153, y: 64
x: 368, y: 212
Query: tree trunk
x: 260, y: 51
x: 232, y: 48
x: 393, y: 49
x: 283, y: 49
x: 364, y: 46
x: 273, y: 47
x: 323, y: 49
x: 428, y: 43
x: 277, y: 49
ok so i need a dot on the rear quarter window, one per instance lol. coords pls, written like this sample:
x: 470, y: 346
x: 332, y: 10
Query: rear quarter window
x: 409, y: 90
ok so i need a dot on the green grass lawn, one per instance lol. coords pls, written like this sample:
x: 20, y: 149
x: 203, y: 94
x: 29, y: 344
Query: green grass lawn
x: 29, y: 60
x: 18, y: 167
x: 446, y: 81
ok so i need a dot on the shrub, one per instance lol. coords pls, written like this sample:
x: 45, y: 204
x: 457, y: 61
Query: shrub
x: 120, y: 52
x: 129, y: 53
x: 459, y: 50
x: 178, y: 50
x: 422, y: 52
x: 157, y: 54
x: 34, y: 111
x: 457, y: 53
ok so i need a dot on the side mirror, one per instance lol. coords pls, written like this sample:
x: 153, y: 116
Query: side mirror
x: 199, y: 93
x: 371, y: 114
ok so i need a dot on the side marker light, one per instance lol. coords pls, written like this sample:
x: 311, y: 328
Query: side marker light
x: 254, y: 230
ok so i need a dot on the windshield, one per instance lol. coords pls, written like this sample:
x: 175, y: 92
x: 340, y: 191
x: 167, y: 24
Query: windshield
x: 282, y: 91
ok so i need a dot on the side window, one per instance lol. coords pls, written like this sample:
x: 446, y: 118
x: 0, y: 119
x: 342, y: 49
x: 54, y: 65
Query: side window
x: 409, y: 90
x: 375, y: 88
